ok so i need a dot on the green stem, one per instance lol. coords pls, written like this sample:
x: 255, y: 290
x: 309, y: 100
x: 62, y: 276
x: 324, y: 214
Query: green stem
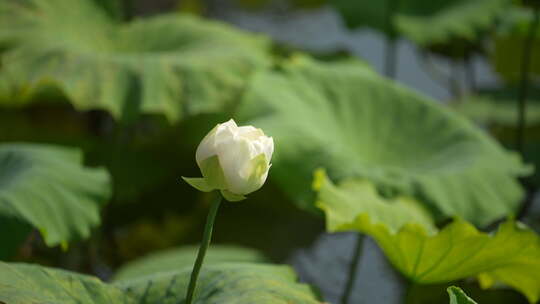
x: 470, y: 74
x: 522, y: 109
x: 357, y: 255
x: 390, y: 62
x: 207, y: 236
x: 434, y: 72
x: 525, y: 79
x: 455, y: 87
x: 128, y: 9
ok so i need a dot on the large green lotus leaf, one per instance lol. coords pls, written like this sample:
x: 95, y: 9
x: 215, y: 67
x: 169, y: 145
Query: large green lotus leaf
x: 424, y: 22
x: 224, y: 283
x: 353, y: 122
x: 170, y: 64
x: 184, y: 257
x: 48, y: 188
x: 236, y: 283
x: 25, y: 284
x: 426, y: 256
x: 457, y: 296
x: 509, y: 42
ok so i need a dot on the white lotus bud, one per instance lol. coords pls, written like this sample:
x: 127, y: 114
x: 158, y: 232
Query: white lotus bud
x: 234, y: 160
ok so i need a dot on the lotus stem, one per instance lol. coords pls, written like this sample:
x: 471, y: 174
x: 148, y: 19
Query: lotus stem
x: 357, y: 255
x: 207, y: 236
x: 390, y: 62
x: 525, y: 80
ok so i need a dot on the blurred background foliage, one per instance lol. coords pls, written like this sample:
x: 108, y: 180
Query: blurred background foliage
x: 130, y: 87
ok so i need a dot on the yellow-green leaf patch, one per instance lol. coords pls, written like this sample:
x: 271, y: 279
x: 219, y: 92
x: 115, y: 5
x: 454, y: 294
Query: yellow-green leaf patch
x: 425, y: 255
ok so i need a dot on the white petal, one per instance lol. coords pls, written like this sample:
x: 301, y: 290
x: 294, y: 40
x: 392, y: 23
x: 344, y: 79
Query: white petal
x: 250, y: 132
x: 257, y: 147
x: 229, y: 123
x: 226, y: 131
x: 222, y: 132
x: 234, y: 155
x: 268, y: 148
x: 228, y: 127
x: 257, y: 171
x: 207, y: 148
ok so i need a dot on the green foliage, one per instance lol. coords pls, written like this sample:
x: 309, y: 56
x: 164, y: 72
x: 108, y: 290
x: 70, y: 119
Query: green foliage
x: 509, y: 42
x: 115, y: 8
x: 438, y: 293
x: 342, y: 209
x: 24, y: 283
x: 403, y: 161
x: 198, y: 183
x: 184, y: 257
x: 352, y: 122
x: 424, y: 22
x: 457, y: 296
x: 174, y: 65
x: 13, y: 233
x: 223, y: 283
x: 213, y: 173
x: 48, y: 188
x: 499, y: 107
x: 260, y: 4
x: 459, y: 250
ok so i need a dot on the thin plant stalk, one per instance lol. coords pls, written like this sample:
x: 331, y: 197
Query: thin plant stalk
x: 456, y: 72
x: 129, y: 6
x: 455, y: 85
x: 525, y: 81
x: 207, y: 236
x: 436, y: 74
x: 351, y: 278
x: 470, y: 74
x: 390, y: 61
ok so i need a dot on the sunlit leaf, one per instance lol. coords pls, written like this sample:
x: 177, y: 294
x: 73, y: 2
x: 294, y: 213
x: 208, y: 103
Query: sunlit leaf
x: 424, y: 22
x: 326, y: 264
x: 343, y: 212
x: 353, y: 122
x: 425, y: 256
x: 184, y: 257
x: 174, y: 65
x: 224, y: 283
x: 438, y: 293
x: 48, y: 188
x: 457, y: 296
